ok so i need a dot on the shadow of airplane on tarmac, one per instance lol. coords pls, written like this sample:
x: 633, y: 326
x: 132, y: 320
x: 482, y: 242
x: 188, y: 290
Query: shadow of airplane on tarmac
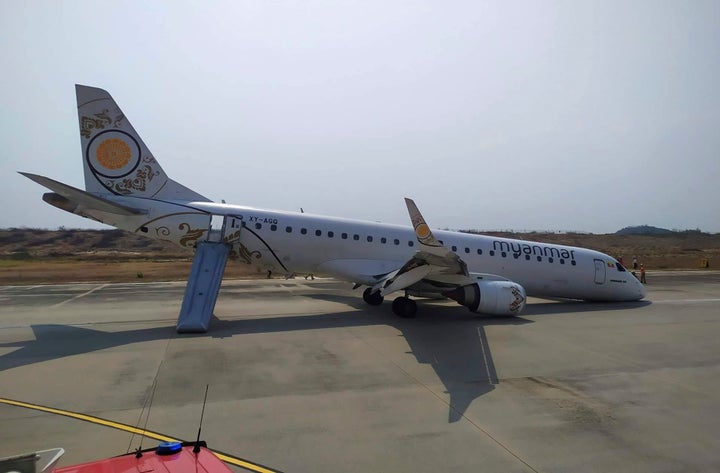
x: 449, y: 338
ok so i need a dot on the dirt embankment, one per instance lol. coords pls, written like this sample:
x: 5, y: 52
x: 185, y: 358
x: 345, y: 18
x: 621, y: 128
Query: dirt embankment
x: 31, y: 256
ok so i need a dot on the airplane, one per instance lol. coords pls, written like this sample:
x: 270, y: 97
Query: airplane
x: 126, y: 187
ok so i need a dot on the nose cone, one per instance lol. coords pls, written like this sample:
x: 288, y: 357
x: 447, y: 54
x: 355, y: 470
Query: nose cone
x: 641, y: 289
x: 637, y: 290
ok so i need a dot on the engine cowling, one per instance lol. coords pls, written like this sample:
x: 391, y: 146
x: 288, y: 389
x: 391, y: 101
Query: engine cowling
x: 490, y: 297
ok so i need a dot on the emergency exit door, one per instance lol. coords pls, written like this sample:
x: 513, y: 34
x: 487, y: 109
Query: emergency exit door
x: 599, y: 271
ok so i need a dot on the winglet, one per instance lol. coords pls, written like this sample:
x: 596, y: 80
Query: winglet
x: 422, y: 231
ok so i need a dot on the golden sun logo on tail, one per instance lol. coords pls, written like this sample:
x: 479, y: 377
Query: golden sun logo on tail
x: 423, y: 233
x: 113, y: 153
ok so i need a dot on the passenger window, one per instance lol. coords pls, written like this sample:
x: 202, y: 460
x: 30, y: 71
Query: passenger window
x: 454, y: 248
x: 411, y: 243
x: 303, y: 231
x: 383, y: 240
x: 318, y: 232
x: 356, y: 237
x: 258, y: 226
x: 479, y: 251
x: 503, y: 254
x: 288, y: 229
x: 572, y: 262
x: 369, y: 239
x: 467, y: 250
x: 562, y: 261
x: 273, y: 227
x: 344, y: 236
x: 396, y: 241
x: 492, y: 252
x: 527, y: 257
x: 331, y: 234
x: 539, y: 258
x: 550, y: 260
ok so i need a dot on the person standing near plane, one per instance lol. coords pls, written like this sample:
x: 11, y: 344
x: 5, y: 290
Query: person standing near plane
x: 642, y: 274
x: 635, y: 263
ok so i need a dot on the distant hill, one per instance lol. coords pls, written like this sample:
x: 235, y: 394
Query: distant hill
x: 650, y: 230
x: 644, y: 230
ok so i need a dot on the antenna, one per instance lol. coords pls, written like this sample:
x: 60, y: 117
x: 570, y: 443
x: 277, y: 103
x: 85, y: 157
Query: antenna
x: 148, y: 404
x: 196, y: 449
x: 147, y: 418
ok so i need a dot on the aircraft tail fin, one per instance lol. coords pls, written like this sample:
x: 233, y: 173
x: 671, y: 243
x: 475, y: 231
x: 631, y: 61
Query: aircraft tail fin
x: 115, y: 158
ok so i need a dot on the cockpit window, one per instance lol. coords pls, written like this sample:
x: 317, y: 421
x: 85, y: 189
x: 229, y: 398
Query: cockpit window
x: 620, y: 267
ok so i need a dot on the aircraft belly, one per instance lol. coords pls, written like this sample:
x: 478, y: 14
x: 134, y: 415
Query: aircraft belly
x: 359, y: 270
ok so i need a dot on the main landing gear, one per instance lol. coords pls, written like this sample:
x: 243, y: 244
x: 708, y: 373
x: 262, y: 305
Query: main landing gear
x: 401, y: 306
x: 404, y: 307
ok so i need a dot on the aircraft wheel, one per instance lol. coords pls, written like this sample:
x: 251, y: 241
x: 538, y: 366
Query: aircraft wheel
x: 372, y: 298
x: 404, y: 307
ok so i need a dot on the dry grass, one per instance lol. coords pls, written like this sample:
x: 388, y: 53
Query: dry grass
x: 64, y: 270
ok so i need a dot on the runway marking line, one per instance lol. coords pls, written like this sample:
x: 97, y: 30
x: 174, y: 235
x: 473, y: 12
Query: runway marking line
x: 233, y: 460
x: 78, y: 296
x: 483, y: 348
x: 677, y: 301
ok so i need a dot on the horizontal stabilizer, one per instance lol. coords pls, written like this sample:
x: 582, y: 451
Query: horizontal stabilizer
x: 79, y: 197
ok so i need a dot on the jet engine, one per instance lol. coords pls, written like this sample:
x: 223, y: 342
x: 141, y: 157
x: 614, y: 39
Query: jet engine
x: 490, y: 297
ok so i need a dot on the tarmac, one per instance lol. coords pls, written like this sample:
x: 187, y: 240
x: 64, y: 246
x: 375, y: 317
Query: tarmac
x: 305, y: 377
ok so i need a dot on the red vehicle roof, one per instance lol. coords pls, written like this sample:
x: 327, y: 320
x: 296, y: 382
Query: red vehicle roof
x: 183, y: 461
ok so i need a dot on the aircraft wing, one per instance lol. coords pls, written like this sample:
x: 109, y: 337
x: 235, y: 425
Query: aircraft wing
x: 69, y: 198
x: 433, y: 266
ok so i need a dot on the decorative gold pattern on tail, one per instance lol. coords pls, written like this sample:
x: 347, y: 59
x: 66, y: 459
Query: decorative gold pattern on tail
x: 139, y: 182
x: 98, y: 122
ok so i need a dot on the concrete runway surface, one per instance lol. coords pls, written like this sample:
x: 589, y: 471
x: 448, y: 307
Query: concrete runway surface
x: 304, y: 377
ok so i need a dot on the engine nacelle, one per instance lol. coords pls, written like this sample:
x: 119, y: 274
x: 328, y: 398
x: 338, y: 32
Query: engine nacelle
x: 490, y: 297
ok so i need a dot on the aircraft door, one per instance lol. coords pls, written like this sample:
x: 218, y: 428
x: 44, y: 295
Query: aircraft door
x: 599, y: 271
x: 225, y: 228
x: 232, y: 229
x: 216, y: 228
x: 241, y: 248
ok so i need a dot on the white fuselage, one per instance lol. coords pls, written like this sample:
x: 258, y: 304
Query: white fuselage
x: 359, y: 251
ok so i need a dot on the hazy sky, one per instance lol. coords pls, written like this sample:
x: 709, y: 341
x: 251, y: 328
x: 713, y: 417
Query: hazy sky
x: 538, y: 115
